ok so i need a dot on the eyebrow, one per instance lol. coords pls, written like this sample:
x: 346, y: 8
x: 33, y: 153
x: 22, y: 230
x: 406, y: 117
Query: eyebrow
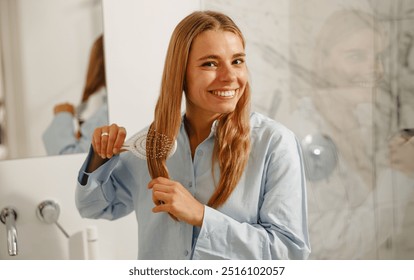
x: 212, y: 56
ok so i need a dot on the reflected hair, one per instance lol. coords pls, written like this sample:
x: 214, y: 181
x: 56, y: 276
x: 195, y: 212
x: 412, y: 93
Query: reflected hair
x: 232, y: 142
x: 95, y: 76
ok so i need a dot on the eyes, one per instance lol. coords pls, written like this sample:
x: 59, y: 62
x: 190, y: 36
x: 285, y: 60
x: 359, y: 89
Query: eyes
x: 363, y: 56
x: 215, y: 63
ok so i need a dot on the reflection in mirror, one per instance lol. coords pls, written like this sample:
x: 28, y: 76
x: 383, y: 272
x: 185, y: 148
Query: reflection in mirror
x: 72, y: 127
x: 45, y: 50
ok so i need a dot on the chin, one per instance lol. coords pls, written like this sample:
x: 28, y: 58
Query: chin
x: 226, y: 110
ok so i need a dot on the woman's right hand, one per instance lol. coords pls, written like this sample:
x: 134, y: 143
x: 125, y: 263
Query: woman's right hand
x: 107, y: 141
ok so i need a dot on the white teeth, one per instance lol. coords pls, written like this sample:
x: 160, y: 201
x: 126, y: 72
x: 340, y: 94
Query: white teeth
x: 227, y: 93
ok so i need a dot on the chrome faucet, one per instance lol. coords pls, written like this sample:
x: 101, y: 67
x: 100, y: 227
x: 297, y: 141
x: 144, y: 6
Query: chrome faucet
x: 8, y: 217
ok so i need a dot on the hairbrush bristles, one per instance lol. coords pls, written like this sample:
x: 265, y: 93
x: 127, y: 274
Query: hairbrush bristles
x: 163, y: 145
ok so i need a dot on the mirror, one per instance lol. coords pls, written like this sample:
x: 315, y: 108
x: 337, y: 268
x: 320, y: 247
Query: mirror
x: 44, y: 55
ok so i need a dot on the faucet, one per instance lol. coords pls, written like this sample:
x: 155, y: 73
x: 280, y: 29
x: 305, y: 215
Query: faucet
x: 8, y: 216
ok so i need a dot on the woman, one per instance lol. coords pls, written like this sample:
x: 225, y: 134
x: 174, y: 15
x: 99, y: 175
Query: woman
x: 71, y: 128
x: 233, y: 189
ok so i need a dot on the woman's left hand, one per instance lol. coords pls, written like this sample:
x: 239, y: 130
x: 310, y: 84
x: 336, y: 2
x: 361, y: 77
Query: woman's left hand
x: 171, y: 197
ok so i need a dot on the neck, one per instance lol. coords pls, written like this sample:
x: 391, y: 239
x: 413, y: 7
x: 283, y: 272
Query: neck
x: 198, y: 129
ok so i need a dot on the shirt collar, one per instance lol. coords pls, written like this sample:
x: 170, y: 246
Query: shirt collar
x: 213, y: 128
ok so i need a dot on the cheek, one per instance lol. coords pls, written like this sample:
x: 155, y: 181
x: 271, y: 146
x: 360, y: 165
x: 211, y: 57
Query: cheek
x: 201, y: 81
x: 353, y: 71
x: 341, y: 69
x: 194, y: 91
x: 243, y: 77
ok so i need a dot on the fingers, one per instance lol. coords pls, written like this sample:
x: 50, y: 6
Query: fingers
x: 161, y: 208
x: 64, y: 107
x: 160, y: 181
x: 108, y: 140
x: 119, y: 140
x: 171, y: 197
x: 159, y: 197
x: 162, y: 190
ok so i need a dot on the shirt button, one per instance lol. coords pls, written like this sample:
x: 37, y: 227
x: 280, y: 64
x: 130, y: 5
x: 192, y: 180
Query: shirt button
x: 186, y: 253
x: 200, y: 153
x: 190, y: 185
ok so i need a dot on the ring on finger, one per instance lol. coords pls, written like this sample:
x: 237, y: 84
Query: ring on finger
x: 104, y: 134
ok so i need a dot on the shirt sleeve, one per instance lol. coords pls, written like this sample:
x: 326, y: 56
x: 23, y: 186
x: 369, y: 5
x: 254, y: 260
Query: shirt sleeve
x: 59, y: 137
x: 104, y: 196
x: 281, y: 231
x: 59, y: 134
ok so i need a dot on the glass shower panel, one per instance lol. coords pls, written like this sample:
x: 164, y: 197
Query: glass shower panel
x: 345, y: 110
x: 400, y: 84
x: 340, y: 74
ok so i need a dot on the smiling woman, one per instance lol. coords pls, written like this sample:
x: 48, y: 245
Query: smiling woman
x: 45, y: 48
x: 349, y: 50
x: 233, y: 189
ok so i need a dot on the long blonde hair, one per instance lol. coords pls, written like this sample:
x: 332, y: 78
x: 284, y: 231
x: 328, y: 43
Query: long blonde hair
x: 95, y: 77
x: 232, y: 143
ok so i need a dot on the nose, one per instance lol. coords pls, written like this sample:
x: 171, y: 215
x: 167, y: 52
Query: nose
x: 373, y: 66
x: 227, y: 73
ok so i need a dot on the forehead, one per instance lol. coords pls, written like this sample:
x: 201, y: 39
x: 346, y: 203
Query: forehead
x: 217, y: 42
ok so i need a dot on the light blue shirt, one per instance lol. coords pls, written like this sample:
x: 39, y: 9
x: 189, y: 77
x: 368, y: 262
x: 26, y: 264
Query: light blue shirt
x: 59, y: 137
x: 264, y: 218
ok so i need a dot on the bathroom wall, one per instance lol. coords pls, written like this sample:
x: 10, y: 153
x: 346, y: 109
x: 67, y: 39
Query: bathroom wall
x: 344, y: 108
x: 25, y: 183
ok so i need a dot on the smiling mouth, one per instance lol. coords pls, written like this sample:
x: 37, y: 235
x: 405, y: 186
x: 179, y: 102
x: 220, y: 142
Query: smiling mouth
x: 223, y: 93
x: 368, y: 81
